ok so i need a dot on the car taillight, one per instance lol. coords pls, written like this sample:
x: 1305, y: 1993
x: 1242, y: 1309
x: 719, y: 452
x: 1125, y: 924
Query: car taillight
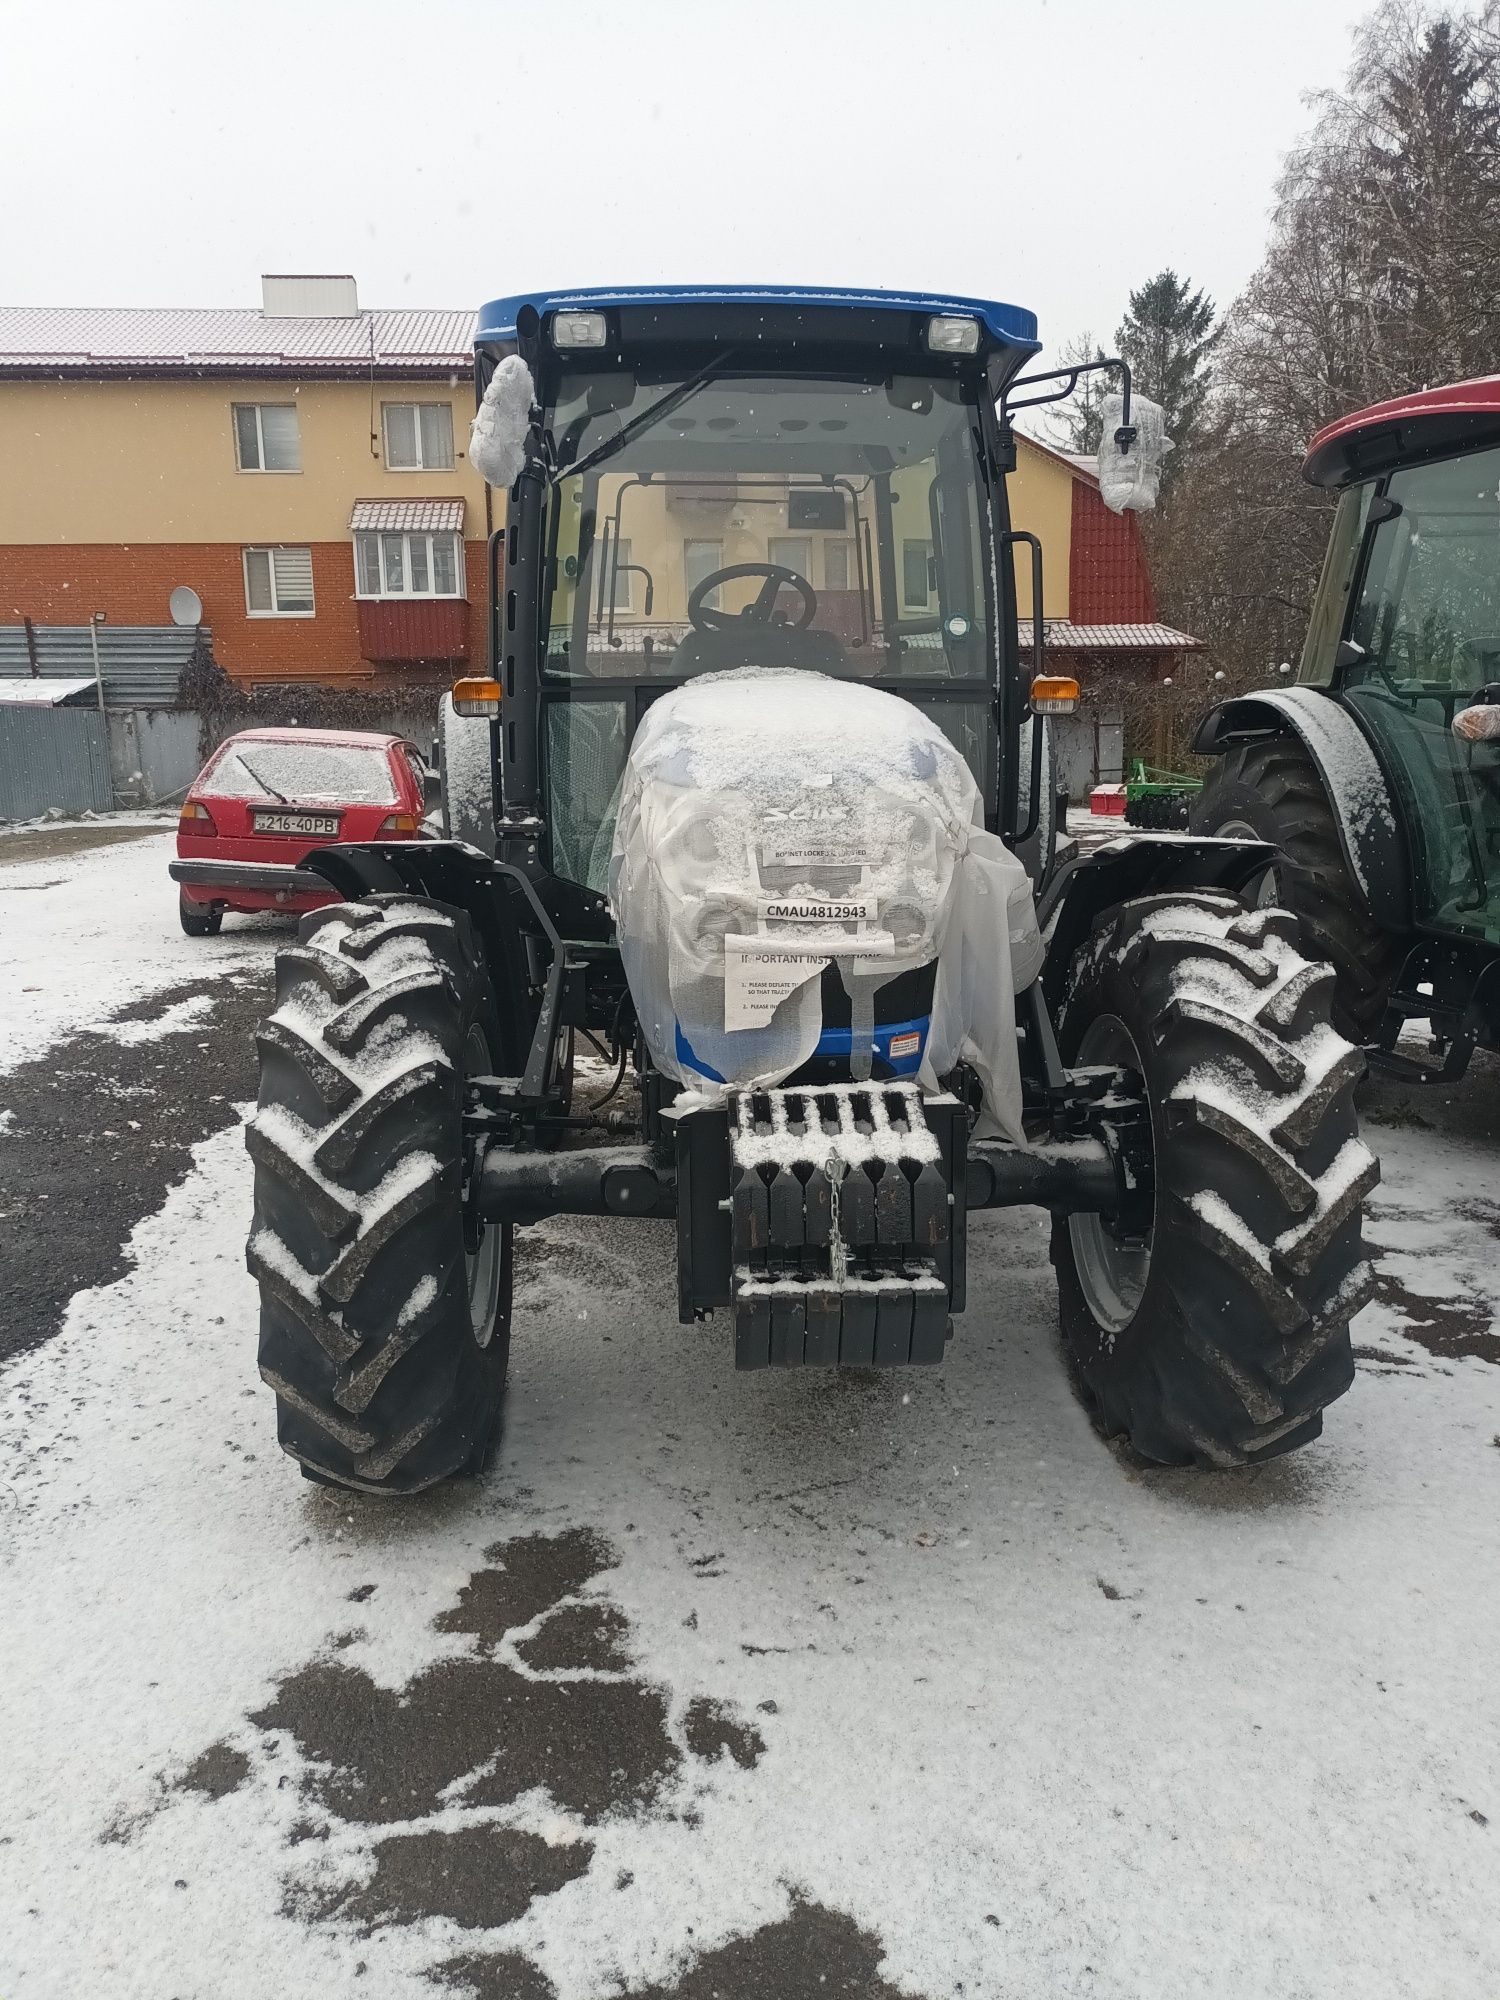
x: 196, y: 819
x: 399, y: 823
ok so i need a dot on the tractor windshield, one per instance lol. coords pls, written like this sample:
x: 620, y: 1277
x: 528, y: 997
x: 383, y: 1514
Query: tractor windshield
x: 1427, y: 622
x: 832, y: 523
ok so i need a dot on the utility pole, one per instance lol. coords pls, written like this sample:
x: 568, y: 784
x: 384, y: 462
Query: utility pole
x: 99, y: 618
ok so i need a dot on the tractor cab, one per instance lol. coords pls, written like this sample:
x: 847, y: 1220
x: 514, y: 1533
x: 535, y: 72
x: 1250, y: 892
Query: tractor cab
x: 1407, y: 628
x: 1377, y: 775
x: 806, y: 480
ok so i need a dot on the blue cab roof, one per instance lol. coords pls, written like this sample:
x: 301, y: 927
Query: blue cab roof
x: 1008, y: 326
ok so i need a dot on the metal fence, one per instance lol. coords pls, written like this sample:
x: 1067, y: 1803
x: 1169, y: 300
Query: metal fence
x: 141, y: 664
x: 52, y: 757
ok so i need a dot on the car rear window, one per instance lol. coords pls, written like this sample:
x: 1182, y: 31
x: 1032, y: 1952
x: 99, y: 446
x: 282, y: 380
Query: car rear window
x: 353, y: 774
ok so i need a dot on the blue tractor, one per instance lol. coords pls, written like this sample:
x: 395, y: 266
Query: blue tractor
x: 755, y: 802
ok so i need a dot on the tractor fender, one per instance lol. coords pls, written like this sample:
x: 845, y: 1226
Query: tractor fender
x: 1122, y: 870
x: 452, y: 872
x: 1357, y: 788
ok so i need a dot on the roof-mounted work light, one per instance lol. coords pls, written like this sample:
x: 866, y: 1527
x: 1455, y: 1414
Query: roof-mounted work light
x: 579, y: 330
x: 949, y: 334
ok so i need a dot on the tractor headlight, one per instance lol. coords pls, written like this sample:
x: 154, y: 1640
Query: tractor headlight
x: 948, y: 334
x: 579, y: 330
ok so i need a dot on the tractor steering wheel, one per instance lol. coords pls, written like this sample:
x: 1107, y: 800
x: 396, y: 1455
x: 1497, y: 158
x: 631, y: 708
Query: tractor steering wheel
x: 706, y: 618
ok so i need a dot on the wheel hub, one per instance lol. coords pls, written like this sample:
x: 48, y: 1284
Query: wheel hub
x: 483, y: 1244
x: 1112, y: 1252
x: 1267, y: 891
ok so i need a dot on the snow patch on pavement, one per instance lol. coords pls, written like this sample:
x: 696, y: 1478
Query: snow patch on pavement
x: 171, y: 1020
x: 1036, y: 1721
x: 105, y: 929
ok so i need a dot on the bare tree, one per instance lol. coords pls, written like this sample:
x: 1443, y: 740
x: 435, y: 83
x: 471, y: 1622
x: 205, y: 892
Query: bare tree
x: 1382, y: 275
x: 1383, y: 270
x: 1078, y: 424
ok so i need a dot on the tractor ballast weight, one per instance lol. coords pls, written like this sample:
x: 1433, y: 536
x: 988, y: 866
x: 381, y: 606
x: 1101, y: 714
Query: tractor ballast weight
x: 762, y: 714
x: 1385, y: 807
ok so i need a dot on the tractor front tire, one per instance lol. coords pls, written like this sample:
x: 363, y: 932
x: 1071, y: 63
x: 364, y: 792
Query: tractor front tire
x: 1218, y: 1331
x: 385, y: 1328
x: 1274, y: 792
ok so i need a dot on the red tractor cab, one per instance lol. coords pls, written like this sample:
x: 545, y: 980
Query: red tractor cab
x: 267, y: 797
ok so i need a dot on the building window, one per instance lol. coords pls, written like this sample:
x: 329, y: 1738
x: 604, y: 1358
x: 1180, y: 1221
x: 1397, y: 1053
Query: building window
x: 279, y: 583
x: 701, y: 559
x: 916, y: 583
x: 838, y: 564
x: 619, y: 562
x: 418, y: 437
x: 792, y: 552
x: 266, y: 437
x: 411, y: 565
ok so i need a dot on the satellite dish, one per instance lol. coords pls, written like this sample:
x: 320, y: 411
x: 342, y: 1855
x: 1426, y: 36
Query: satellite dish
x: 186, y: 606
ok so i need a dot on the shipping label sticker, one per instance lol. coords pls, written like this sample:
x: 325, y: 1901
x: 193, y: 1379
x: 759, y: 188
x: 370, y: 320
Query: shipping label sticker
x: 816, y: 909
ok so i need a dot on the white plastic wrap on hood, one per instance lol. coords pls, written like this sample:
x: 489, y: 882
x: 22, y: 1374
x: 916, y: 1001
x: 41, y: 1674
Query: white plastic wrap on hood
x: 1129, y: 481
x: 497, y: 436
x: 774, y: 822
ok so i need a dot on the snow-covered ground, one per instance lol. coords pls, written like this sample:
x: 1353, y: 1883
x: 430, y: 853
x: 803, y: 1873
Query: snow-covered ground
x: 88, y: 930
x: 910, y: 1668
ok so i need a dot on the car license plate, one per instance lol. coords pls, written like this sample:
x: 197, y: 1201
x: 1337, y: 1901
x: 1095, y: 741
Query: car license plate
x: 295, y: 822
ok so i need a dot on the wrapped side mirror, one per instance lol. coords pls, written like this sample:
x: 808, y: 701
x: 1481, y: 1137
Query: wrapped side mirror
x: 1479, y: 723
x: 1130, y: 455
x: 497, y: 436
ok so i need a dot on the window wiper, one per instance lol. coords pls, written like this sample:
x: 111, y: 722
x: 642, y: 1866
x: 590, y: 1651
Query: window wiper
x: 246, y: 765
x: 653, y: 412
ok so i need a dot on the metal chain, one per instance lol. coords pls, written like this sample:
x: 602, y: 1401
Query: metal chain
x: 838, y: 1249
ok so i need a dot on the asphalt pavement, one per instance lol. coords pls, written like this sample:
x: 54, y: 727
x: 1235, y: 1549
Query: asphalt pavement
x: 717, y: 1686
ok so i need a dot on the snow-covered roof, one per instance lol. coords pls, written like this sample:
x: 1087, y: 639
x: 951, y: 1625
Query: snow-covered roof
x: 405, y: 516
x: 1080, y: 463
x: 1061, y: 637
x: 34, y: 692
x: 1065, y: 637
x: 134, y: 340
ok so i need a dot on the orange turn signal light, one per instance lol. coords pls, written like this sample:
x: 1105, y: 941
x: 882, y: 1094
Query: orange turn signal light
x: 192, y: 810
x: 476, y: 696
x: 1054, y: 694
x: 399, y: 823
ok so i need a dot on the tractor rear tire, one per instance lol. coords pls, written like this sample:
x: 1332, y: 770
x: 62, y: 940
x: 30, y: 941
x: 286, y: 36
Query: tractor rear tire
x: 1274, y: 791
x: 385, y: 1331
x: 1217, y: 1336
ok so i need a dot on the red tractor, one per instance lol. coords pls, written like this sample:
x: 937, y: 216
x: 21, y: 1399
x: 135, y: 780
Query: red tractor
x: 1377, y: 776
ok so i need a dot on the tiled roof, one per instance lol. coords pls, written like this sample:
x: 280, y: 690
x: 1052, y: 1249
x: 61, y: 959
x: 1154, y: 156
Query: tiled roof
x: 405, y: 516
x: 133, y: 340
x: 1063, y: 637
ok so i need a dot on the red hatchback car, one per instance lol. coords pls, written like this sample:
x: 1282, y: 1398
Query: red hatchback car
x: 267, y: 797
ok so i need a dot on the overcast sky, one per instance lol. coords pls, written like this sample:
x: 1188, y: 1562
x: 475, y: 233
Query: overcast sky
x: 1048, y: 152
